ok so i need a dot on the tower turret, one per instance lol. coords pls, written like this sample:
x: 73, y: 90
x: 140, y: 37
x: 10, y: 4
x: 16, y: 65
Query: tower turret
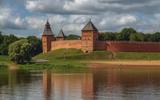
x: 89, y: 37
x: 47, y: 38
x: 61, y: 35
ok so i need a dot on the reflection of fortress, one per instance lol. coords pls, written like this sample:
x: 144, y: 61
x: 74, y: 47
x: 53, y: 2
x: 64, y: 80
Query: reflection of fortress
x: 89, y: 42
x: 65, y: 87
x: 108, y: 84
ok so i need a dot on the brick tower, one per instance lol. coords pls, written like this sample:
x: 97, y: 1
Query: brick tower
x: 61, y: 35
x: 47, y: 38
x: 89, y: 37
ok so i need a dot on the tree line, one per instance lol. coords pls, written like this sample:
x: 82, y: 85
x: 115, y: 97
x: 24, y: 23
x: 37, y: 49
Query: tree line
x: 6, y: 40
x: 22, y: 49
x: 129, y: 34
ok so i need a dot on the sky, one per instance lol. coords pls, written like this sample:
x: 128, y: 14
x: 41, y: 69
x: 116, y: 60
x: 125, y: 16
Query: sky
x: 28, y: 17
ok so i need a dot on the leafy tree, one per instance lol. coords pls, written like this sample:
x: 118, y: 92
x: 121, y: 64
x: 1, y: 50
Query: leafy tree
x: 5, y: 41
x: 72, y: 37
x: 19, y: 51
x: 136, y: 37
x: 125, y: 34
x: 1, y: 38
x: 156, y: 37
x: 147, y: 37
x: 107, y: 36
x: 36, y: 45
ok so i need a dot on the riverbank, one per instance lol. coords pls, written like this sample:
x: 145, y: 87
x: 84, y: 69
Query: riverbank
x: 73, y: 59
x: 129, y: 62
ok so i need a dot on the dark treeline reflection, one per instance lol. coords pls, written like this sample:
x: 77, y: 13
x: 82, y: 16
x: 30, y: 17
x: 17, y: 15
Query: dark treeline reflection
x: 98, y: 84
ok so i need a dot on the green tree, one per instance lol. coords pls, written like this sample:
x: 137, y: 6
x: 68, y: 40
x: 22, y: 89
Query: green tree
x: 125, y: 34
x: 1, y: 38
x: 107, y: 36
x: 147, y: 37
x: 36, y: 45
x: 72, y: 37
x: 19, y: 51
x: 136, y: 37
x: 156, y: 37
x: 5, y: 40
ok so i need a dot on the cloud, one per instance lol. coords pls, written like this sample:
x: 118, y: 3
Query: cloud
x: 92, y: 7
x: 72, y: 15
x: 9, y: 20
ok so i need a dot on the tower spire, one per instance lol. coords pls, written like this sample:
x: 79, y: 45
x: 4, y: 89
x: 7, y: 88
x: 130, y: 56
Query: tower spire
x: 47, y: 29
x: 89, y: 26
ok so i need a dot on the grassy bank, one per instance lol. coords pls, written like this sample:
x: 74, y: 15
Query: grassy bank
x: 73, y: 59
x: 137, y: 56
x: 4, y: 61
x: 66, y: 60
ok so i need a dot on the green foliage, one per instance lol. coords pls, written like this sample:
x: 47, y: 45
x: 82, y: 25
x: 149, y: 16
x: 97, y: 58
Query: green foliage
x: 128, y: 31
x: 125, y: 34
x: 19, y: 51
x: 156, y: 37
x: 72, y: 37
x: 36, y: 45
x: 147, y: 37
x: 5, y: 40
x: 136, y: 37
x: 107, y: 36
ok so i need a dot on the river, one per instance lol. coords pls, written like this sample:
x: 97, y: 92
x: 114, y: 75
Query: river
x: 95, y: 84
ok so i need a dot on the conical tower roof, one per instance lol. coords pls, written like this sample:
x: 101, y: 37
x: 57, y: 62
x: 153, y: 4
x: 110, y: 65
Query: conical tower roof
x: 61, y: 33
x: 89, y: 27
x: 47, y: 29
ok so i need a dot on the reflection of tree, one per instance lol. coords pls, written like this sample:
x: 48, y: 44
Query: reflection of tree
x: 12, y: 81
x: 17, y: 77
x: 3, y: 77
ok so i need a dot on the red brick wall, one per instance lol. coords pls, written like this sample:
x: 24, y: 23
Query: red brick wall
x: 87, y: 41
x: 46, y: 43
x: 125, y: 46
x: 101, y: 45
x: 66, y: 44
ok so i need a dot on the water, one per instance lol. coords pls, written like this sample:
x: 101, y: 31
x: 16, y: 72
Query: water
x: 97, y: 84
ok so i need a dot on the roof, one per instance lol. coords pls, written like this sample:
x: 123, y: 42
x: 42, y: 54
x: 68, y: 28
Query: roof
x: 47, y: 29
x: 89, y: 27
x: 61, y: 33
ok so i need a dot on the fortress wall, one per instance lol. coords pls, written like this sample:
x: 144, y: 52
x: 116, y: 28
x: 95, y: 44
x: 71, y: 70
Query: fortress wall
x: 66, y: 44
x: 125, y: 46
x: 101, y: 45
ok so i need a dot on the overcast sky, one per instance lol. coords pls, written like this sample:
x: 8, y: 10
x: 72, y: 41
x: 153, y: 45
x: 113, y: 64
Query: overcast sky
x: 27, y: 17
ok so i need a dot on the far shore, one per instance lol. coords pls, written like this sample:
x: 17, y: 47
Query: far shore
x: 129, y: 62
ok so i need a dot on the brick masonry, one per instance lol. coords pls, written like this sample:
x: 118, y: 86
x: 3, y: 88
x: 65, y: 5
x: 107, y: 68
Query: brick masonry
x: 89, y: 42
x: 66, y: 44
x: 126, y: 46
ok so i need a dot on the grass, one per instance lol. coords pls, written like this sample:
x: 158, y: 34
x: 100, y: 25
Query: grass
x: 137, y: 56
x: 75, y: 60
x: 66, y: 60
x: 4, y: 61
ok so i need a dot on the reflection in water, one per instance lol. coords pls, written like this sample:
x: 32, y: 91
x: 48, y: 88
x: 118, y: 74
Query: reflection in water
x: 98, y: 84
x: 47, y: 84
x: 68, y: 86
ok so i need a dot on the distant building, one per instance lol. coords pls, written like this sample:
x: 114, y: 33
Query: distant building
x: 89, y: 42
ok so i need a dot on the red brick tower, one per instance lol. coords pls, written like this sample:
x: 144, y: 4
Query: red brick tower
x: 61, y: 35
x: 47, y: 38
x: 89, y: 37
